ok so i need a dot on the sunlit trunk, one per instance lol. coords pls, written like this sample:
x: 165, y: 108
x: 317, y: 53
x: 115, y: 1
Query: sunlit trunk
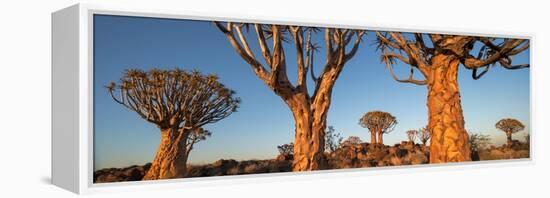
x: 171, y: 158
x: 309, y: 134
x: 373, y: 137
x: 509, y: 138
x: 449, y: 142
x: 380, y: 138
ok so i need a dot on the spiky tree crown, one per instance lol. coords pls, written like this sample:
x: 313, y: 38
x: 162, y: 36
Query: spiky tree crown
x: 378, y: 120
x: 509, y: 125
x: 174, y: 98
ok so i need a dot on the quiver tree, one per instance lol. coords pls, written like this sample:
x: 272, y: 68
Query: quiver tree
x: 378, y: 123
x: 436, y: 58
x: 309, y: 109
x: 179, y: 103
x: 411, y: 135
x: 352, y: 140
x: 424, y: 135
x: 509, y: 126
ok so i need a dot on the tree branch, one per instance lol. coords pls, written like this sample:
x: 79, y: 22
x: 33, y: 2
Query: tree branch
x: 415, y: 56
x: 328, y: 44
x: 507, y: 49
x: 350, y: 54
x: 263, y: 44
x: 256, y: 66
x: 398, y: 56
x: 475, y: 76
x: 278, y: 66
x: 310, y: 51
x: 409, y: 80
x: 298, y: 36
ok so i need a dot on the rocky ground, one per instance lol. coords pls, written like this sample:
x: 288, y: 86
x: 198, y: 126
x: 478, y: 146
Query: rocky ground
x: 517, y: 150
x: 367, y: 155
x: 348, y: 156
x: 132, y: 173
x: 218, y: 168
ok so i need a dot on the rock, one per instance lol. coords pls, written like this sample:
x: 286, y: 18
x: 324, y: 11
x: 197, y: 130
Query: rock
x: 196, y: 171
x: 407, y: 145
x: 225, y: 163
x: 234, y: 171
x: 395, y: 161
x: 283, y: 157
x: 281, y: 166
x: 132, y: 174
x: 418, y: 158
x: 382, y: 163
x: 361, y: 156
x: 378, y: 154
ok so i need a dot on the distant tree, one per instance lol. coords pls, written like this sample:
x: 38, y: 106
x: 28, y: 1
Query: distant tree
x: 411, y: 135
x: 352, y: 140
x: 424, y: 135
x: 509, y: 126
x: 332, y: 139
x: 286, y: 149
x: 477, y: 143
x: 378, y: 123
x: 179, y: 103
x: 437, y: 58
x: 309, y: 109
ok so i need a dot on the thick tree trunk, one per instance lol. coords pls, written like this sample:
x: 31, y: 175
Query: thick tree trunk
x: 380, y: 138
x: 449, y: 142
x: 309, y: 142
x: 509, y: 138
x: 373, y: 138
x: 171, y: 158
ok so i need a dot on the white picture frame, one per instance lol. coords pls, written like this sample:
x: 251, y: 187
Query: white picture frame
x: 72, y: 103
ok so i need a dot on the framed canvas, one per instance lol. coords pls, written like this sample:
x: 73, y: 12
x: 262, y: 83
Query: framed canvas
x: 154, y: 99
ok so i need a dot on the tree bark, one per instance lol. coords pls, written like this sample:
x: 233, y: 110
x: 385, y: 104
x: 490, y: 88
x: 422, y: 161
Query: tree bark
x: 310, y: 124
x: 171, y: 158
x: 373, y: 138
x: 449, y: 142
x: 509, y: 138
x: 380, y: 138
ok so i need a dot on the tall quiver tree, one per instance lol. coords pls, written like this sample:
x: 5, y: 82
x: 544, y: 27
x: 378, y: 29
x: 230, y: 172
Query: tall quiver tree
x: 179, y: 103
x: 437, y: 58
x: 308, y: 109
x: 378, y: 123
x: 509, y: 126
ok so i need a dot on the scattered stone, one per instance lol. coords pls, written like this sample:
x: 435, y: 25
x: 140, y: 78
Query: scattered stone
x: 348, y: 156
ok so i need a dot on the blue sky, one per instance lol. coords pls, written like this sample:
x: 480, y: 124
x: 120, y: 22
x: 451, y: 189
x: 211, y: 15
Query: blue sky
x: 263, y: 121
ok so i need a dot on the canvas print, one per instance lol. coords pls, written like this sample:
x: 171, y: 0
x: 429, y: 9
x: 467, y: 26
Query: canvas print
x: 177, y: 98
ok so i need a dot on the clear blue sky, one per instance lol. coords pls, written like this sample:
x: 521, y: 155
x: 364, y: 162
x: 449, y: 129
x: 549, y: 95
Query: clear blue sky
x: 263, y: 121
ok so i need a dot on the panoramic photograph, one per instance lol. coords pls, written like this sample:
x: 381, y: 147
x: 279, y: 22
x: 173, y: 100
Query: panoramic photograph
x: 179, y: 98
